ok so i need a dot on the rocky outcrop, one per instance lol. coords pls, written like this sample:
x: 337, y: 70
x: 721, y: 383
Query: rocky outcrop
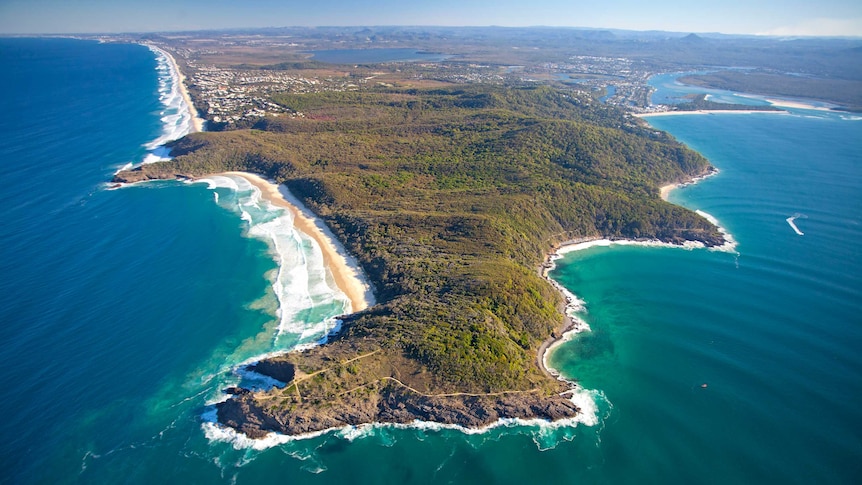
x: 392, y: 404
x: 279, y: 370
x: 145, y: 173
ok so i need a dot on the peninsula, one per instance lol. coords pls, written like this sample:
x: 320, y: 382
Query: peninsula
x: 449, y: 199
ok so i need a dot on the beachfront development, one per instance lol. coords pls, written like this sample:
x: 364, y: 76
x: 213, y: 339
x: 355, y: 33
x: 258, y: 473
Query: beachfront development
x: 232, y: 77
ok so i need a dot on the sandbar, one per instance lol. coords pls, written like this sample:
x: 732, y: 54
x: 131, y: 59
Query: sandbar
x: 344, y: 272
x: 783, y: 103
x: 709, y: 112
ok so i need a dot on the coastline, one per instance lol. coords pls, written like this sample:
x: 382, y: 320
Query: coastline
x: 664, y: 191
x: 345, y: 273
x: 711, y: 112
x: 197, y: 123
x: 583, y: 399
x: 786, y: 103
x: 572, y: 324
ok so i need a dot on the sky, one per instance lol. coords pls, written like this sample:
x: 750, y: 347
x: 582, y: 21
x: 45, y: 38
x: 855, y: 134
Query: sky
x: 771, y: 17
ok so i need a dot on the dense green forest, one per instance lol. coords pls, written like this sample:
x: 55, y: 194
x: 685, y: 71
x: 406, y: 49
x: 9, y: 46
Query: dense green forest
x: 450, y: 199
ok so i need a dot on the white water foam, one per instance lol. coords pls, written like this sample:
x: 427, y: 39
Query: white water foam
x: 175, y: 115
x: 307, y: 302
x: 546, y: 434
x: 730, y: 243
x: 569, y: 248
x: 350, y: 261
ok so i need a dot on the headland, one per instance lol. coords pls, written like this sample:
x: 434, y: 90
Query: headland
x: 448, y: 211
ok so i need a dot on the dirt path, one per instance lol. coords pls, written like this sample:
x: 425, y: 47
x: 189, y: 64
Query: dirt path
x: 449, y: 394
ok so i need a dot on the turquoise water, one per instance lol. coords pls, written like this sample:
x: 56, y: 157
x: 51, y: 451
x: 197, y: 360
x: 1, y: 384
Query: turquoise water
x: 124, y: 312
x: 668, y: 90
x: 611, y: 90
x: 737, y: 368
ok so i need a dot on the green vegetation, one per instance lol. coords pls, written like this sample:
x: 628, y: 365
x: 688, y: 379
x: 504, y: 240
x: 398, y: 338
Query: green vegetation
x: 844, y: 92
x: 699, y: 102
x: 449, y: 199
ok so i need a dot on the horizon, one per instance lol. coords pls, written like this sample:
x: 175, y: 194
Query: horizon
x: 251, y: 29
x: 832, y: 18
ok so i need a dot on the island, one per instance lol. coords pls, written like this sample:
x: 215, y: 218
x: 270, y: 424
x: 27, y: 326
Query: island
x: 451, y: 199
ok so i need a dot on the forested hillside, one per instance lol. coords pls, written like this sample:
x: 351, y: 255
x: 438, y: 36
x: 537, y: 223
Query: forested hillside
x: 450, y: 199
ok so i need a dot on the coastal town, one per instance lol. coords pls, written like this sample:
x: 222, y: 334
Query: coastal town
x: 232, y: 94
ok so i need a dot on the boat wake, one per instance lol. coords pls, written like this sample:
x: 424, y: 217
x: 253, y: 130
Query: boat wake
x: 790, y: 220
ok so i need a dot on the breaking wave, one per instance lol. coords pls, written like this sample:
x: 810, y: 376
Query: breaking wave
x: 175, y: 113
x: 308, y: 303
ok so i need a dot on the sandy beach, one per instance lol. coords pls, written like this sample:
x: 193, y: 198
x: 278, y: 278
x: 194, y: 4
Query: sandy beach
x: 783, y: 103
x: 197, y: 121
x: 708, y: 112
x: 665, y: 190
x: 346, y: 275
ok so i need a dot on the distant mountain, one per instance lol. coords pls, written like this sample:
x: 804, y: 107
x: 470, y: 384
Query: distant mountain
x: 693, y: 39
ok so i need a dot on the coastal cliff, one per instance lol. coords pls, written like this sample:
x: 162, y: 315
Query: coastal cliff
x: 449, y: 200
x: 391, y: 404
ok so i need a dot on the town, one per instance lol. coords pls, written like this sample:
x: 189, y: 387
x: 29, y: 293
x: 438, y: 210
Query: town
x: 232, y: 92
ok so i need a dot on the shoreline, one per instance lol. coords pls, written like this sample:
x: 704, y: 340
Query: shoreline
x: 665, y: 190
x: 573, y: 325
x: 345, y: 273
x: 197, y: 123
x: 798, y: 104
x: 215, y: 431
x: 711, y: 112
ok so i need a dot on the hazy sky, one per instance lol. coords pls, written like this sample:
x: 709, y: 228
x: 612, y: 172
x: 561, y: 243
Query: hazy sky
x: 779, y: 17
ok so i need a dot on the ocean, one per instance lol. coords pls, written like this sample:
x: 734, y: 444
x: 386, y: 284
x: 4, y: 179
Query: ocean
x: 125, y: 312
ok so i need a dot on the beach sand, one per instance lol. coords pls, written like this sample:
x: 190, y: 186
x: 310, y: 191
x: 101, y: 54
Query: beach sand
x: 665, y: 190
x: 197, y: 121
x: 346, y: 275
x: 784, y: 103
x: 707, y: 112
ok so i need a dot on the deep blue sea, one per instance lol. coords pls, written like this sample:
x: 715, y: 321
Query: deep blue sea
x: 124, y: 312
